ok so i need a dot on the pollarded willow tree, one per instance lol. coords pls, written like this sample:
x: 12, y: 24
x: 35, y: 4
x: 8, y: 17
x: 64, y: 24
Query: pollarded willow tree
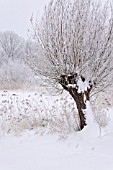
x: 76, y: 48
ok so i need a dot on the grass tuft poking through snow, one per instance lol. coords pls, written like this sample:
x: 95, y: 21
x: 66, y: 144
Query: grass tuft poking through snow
x: 21, y: 111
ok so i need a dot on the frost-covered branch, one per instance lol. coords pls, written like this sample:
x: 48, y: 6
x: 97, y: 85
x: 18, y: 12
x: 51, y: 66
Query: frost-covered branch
x: 77, y: 37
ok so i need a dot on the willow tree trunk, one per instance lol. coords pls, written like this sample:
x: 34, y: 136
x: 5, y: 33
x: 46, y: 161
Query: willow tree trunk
x: 81, y: 105
x: 70, y: 84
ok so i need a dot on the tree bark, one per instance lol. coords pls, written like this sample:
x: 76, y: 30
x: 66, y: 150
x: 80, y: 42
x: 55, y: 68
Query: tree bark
x: 80, y: 103
x: 69, y: 83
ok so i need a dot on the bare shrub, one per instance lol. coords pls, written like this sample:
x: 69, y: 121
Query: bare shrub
x: 102, y: 117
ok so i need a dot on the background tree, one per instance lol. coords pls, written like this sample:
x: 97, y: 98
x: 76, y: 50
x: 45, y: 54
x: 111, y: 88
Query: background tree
x: 75, y: 48
x: 12, y: 68
x: 11, y: 45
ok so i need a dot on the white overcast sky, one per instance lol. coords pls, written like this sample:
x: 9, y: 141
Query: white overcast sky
x: 15, y: 14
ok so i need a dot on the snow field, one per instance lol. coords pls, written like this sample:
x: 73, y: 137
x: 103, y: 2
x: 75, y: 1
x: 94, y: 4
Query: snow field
x: 37, y: 132
x: 48, y: 152
x: 22, y: 110
x: 28, y: 110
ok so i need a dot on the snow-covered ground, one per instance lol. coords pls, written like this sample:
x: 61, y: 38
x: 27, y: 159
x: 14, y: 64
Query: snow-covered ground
x: 48, y: 152
x: 90, y: 149
x: 20, y: 110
